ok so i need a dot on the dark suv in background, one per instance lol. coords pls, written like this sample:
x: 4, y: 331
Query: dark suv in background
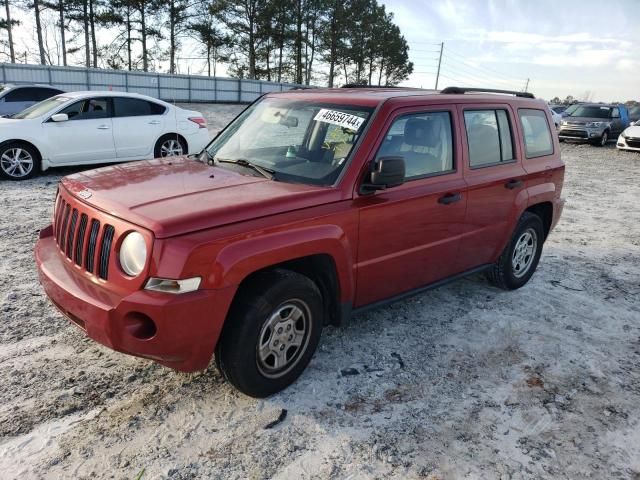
x: 594, y: 122
x: 16, y: 98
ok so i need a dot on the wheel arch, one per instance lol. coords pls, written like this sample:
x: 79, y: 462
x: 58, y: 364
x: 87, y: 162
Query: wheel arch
x: 172, y: 135
x: 544, y: 210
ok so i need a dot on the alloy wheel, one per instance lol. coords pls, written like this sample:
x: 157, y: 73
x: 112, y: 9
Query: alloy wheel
x: 283, y: 338
x: 16, y: 162
x: 524, y: 252
x: 171, y: 148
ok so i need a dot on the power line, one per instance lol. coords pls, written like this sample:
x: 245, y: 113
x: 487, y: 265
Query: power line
x: 478, y: 67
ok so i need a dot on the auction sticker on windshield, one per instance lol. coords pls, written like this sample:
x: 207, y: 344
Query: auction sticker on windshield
x: 346, y: 120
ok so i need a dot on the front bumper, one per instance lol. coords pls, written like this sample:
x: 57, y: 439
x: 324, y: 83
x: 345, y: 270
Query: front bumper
x: 576, y: 132
x: 185, y: 329
x: 632, y: 144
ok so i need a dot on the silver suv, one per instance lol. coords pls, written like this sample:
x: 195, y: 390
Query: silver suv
x: 596, y: 123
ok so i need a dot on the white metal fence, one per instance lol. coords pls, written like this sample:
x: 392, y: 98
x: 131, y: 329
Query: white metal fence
x: 173, y: 88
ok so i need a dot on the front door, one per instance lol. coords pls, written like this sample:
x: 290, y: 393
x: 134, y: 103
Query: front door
x: 87, y: 137
x: 408, y: 235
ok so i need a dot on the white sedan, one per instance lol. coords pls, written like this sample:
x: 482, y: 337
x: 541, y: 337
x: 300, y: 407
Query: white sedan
x: 83, y: 128
x: 629, y: 139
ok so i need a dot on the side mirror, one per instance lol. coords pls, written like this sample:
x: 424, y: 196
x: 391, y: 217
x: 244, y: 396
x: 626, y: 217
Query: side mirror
x: 289, y: 122
x: 59, y: 117
x: 386, y: 172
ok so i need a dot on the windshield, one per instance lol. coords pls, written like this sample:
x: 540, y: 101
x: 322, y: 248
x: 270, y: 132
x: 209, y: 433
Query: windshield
x: 299, y: 141
x: 41, y: 108
x: 591, y: 111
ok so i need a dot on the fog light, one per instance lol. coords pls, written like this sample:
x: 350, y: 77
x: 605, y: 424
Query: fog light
x: 173, y: 286
x: 139, y: 325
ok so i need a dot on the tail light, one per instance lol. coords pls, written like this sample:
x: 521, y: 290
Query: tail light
x: 200, y: 121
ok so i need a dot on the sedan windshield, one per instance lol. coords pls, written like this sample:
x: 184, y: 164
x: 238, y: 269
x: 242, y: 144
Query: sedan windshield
x: 591, y: 111
x: 41, y: 108
x: 298, y: 141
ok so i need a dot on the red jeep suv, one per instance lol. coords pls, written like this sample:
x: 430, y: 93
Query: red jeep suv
x: 309, y: 206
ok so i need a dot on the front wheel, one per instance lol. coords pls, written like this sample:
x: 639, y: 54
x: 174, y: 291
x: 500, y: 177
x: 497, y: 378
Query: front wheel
x: 271, y: 333
x: 18, y: 161
x: 519, y: 260
x: 602, y: 141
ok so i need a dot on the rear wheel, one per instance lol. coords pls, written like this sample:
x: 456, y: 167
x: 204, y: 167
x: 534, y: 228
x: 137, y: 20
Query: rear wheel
x: 271, y: 333
x: 519, y: 260
x: 18, y: 161
x: 170, y: 146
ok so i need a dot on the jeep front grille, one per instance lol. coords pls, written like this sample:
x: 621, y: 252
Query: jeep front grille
x: 70, y: 226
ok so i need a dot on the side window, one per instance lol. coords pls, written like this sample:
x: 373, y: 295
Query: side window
x: 537, y: 136
x: 44, y: 93
x: 488, y: 136
x: 27, y: 94
x: 135, y: 107
x: 86, y: 109
x: 425, y: 142
x: 615, y: 113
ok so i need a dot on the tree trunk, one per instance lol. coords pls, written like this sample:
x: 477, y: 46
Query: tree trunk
x: 333, y: 44
x: 143, y: 34
x: 172, y: 36
x: 63, y: 42
x: 12, y: 53
x: 87, y: 48
x: 209, y: 58
x: 36, y: 7
x: 298, y: 43
x: 94, y: 43
x: 129, y: 36
x: 252, y: 47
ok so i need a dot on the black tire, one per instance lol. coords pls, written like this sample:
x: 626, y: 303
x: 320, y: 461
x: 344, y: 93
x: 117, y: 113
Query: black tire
x: 8, y: 151
x: 504, y: 273
x: 602, y: 141
x: 248, y: 324
x: 560, y: 140
x: 170, y: 137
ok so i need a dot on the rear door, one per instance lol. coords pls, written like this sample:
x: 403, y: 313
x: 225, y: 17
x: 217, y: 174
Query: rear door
x: 409, y: 235
x: 86, y: 137
x: 495, y: 178
x: 137, y: 125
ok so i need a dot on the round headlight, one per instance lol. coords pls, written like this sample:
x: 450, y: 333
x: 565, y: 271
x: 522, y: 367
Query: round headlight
x: 133, y: 254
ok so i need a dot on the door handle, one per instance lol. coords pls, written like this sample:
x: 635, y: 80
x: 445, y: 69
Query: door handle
x: 103, y: 127
x: 154, y: 122
x: 450, y: 198
x: 511, y: 184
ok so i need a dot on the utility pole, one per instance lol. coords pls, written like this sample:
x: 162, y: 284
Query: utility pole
x: 439, y: 62
x: 526, y: 86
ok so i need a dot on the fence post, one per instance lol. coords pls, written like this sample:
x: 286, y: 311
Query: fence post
x: 189, y: 77
x: 215, y: 89
x: 158, y: 80
x: 4, y: 74
x: 126, y: 81
x: 49, y: 72
x: 88, y: 80
x: 239, y: 90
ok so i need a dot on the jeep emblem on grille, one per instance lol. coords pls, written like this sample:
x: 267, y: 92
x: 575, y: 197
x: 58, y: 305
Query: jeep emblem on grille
x: 84, y: 194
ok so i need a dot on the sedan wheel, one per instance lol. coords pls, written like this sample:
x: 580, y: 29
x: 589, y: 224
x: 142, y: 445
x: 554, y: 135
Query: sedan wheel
x: 171, y: 148
x: 17, y: 163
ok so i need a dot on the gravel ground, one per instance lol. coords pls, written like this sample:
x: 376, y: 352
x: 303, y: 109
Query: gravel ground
x: 465, y: 381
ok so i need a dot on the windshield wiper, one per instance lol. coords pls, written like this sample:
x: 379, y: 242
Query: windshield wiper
x: 243, y: 162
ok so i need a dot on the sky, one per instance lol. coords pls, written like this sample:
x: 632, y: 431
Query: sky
x: 562, y: 47
x: 584, y: 48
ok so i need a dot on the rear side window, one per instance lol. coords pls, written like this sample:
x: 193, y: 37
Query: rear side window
x: 537, y: 136
x: 489, y: 137
x: 425, y: 142
x: 135, y: 107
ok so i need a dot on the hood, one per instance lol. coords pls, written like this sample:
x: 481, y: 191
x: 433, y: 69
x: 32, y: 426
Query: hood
x: 584, y: 120
x: 633, y: 131
x: 180, y: 195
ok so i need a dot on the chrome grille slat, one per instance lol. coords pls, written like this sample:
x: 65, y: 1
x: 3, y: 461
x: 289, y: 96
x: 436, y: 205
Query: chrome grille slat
x: 72, y: 232
x: 63, y: 231
x: 84, y: 219
x: 91, y: 247
x: 105, y: 251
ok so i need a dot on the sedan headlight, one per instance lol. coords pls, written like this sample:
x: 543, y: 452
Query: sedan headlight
x: 133, y: 254
x: 595, y: 124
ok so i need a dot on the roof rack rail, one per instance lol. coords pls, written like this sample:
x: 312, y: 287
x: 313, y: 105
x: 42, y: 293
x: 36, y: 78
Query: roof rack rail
x: 364, y: 85
x: 462, y: 90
